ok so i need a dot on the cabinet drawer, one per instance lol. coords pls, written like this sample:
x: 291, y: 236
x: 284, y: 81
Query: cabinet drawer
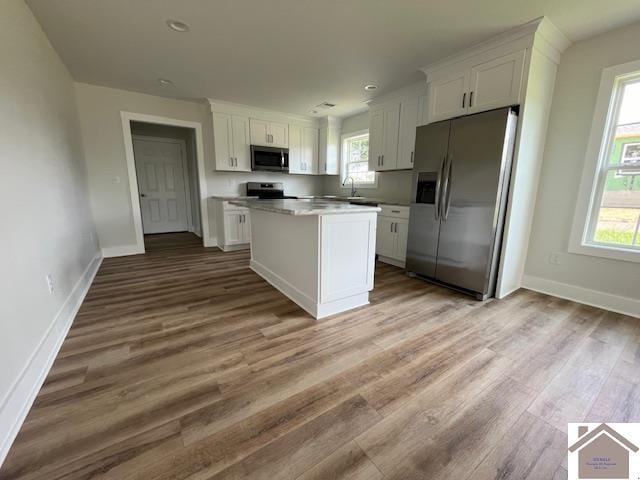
x: 396, y: 211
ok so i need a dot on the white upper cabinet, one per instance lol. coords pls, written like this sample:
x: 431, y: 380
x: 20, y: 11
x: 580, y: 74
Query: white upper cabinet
x: 231, y: 142
x: 476, y: 85
x: 241, y: 143
x: 496, y: 83
x: 272, y: 134
x: 447, y: 96
x: 407, y: 133
x: 279, y: 134
x: 383, y: 136
x: 329, y: 147
x: 303, y: 150
x: 310, y: 144
x: 295, y: 149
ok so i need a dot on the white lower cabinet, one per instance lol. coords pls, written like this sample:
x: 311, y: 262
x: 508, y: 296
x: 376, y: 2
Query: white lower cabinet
x: 233, y: 226
x: 392, y: 233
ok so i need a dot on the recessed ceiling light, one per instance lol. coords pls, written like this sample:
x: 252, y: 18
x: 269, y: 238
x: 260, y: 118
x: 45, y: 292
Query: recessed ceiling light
x: 177, y: 25
x: 371, y: 87
x: 313, y: 112
x: 164, y: 82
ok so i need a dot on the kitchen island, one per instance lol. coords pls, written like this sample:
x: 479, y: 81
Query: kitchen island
x: 320, y: 254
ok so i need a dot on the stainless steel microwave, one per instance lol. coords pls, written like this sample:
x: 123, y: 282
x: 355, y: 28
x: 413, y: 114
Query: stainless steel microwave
x: 269, y: 159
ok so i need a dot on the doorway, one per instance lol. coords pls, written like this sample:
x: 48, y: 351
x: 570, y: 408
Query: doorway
x: 167, y: 182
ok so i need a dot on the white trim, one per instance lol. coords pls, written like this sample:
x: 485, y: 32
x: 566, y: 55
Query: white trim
x: 597, y: 149
x: 24, y: 391
x: 127, y: 117
x: 343, y: 163
x: 122, y: 251
x: 595, y: 298
x: 392, y: 261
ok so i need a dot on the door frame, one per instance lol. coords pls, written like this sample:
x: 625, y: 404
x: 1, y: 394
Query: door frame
x: 185, y: 172
x: 127, y: 118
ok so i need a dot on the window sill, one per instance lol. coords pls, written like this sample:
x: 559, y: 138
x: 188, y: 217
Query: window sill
x: 604, y: 251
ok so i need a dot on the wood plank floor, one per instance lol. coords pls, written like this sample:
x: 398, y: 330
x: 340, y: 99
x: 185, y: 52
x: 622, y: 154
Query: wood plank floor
x: 184, y: 364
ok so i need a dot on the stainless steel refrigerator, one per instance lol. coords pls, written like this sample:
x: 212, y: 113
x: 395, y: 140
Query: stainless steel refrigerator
x: 458, y: 201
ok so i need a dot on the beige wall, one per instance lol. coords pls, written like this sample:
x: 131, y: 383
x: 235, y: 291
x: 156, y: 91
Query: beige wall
x: 392, y: 186
x: 99, y: 109
x: 570, y: 123
x: 47, y: 226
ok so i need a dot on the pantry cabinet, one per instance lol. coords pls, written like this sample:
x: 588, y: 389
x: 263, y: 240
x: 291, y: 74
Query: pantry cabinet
x: 231, y: 142
x: 409, y: 111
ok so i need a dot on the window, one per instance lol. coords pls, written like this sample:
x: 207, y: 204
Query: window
x: 355, y: 159
x: 610, y: 217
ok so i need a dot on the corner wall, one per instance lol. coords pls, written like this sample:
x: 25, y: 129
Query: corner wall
x: 47, y: 225
x: 608, y: 283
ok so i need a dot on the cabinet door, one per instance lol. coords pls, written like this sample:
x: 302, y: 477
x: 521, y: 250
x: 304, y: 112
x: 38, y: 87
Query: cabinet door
x: 233, y: 228
x: 389, y: 158
x: 401, y: 233
x: 246, y: 227
x: 448, y: 96
x: 296, y: 150
x: 496, y: 83
x: 407, y: 134
x: 223, y: 141
x: 322, y: 151
x: 385, y: 237
x: 241, y: 143
x: 309, y: 150
x: 279, y: 134
x: 376, y: 134
x: 259, y: 132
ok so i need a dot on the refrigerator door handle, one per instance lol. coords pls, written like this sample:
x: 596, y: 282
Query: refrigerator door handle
x: 447, y: 190
x: 438, y: 188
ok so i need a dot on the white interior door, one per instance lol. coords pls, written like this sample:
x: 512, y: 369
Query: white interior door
x: 161, y: 183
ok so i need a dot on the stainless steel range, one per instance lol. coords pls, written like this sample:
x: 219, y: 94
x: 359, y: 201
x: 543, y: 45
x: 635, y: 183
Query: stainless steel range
x: 266, y: 190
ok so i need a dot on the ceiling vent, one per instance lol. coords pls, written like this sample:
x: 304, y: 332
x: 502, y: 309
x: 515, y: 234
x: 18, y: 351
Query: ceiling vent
x: 326, y: 105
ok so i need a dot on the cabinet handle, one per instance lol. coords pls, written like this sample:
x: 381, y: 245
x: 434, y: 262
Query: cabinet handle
x: 411, y: 156
x: 382, y: 159
x: 391, y: 227
x: 231, y: 161
x: 464, y: 97
x: 471, y: 100
x: 236, y: 159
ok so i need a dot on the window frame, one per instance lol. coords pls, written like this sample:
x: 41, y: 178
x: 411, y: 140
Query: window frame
x: 343, y: 164
x: 597, y: 166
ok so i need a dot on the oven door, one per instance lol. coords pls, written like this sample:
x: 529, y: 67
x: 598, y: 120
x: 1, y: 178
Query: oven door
x: 269, y: 159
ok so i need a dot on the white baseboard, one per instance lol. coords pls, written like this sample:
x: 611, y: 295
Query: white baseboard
x: 595, y: 298
x: 24, y: 391
x: 391, y: 261
x: 304, y: 301
x: 121, y: 251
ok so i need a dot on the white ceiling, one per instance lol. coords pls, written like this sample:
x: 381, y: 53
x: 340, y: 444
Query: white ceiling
x: 290, y: 55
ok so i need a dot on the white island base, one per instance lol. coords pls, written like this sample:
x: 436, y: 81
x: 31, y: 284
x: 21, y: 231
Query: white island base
x: 323, y: 262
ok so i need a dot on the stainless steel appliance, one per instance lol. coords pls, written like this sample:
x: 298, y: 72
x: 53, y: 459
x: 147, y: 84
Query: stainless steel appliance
x: 458, y: 201
x: 266, y: 190
x: 269, y: 159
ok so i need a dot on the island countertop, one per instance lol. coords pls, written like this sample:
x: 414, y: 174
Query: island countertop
x: 304, y: 206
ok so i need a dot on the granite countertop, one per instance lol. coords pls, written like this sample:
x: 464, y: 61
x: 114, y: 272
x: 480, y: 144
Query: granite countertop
x: 231, y: 197
x: 305, y: 206
x: 339, y: 198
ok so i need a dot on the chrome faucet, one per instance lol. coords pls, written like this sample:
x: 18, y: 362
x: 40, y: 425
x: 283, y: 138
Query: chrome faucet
x: 353, y: 185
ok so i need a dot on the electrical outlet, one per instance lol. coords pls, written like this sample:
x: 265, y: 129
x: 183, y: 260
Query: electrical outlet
x: 554, y: 258
x: 50, y: 283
